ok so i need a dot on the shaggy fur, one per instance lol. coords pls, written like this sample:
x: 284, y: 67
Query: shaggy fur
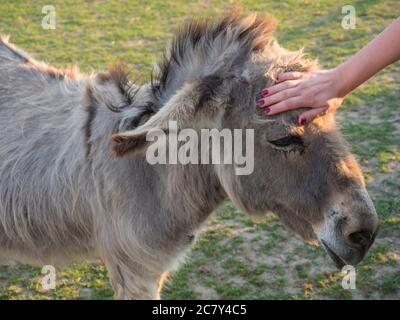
x: 65, y: 194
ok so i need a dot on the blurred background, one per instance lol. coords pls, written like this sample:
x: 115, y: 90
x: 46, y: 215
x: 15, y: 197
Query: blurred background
x: 236, y: 256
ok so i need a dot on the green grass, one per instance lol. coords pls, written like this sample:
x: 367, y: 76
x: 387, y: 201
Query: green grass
x: 391, y: 283
x: 237, y: 256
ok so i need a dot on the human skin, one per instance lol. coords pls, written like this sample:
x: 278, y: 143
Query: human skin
x: 323, y: 91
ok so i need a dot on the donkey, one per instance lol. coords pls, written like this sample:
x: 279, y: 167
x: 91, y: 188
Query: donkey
x: 75, y: 182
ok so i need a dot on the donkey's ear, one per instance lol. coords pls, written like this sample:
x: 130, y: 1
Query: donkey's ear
x: 182, y: 108
x: 126, y: 142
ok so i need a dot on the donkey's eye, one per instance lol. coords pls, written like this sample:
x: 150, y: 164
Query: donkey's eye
x: 288, y: 141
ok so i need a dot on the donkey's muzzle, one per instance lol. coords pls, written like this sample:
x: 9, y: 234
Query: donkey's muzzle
x: 361, y: 240
x: 354, y: 247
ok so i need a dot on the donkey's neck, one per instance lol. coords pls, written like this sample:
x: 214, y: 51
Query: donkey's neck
x: 193, y: 191
x: 174, y: 198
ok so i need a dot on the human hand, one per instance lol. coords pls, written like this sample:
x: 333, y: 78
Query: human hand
x: 319, y: 90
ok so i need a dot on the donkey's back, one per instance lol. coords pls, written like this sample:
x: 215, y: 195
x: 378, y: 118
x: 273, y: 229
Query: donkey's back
x: 42, y: 159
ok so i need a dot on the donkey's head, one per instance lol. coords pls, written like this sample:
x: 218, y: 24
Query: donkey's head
x: 210, y: 78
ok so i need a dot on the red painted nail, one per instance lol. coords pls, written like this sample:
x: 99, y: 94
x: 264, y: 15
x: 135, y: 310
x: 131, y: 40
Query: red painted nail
x: 260, y: 102
x: 266, y: 110
x: 264, y: 92
x: 303, y: 122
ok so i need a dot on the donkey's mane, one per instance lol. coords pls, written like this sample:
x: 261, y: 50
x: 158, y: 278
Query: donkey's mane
x: 206, y: 38
x: 197, y: 44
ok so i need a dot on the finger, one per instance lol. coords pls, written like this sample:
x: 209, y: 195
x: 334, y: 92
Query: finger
x: 311, y: 114
x: 278, y: 97
x: 278, y: 87
x: 289, y: 104
x: 294, y: 75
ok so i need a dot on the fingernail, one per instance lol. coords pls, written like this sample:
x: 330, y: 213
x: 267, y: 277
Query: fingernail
x: 264, y: 92
x: 303, y: 122
x: 260, y: 102
x: 266, y: 110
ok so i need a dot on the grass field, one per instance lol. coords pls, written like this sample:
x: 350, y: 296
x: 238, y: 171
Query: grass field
x: 235, y: 256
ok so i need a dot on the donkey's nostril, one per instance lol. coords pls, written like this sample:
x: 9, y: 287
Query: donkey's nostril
x: 360, y: 238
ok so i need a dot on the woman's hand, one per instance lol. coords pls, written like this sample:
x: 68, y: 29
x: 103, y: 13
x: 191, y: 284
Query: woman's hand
x: 320, y: 91
x: 323, y: 91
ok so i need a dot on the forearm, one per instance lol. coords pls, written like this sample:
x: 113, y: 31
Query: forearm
x: 382, y: 51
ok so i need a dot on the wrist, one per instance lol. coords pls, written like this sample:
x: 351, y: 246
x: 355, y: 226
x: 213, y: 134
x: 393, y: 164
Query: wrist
x: 340, y: 82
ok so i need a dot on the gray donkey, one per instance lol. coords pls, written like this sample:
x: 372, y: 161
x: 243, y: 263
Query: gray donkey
x: 75, y: 183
